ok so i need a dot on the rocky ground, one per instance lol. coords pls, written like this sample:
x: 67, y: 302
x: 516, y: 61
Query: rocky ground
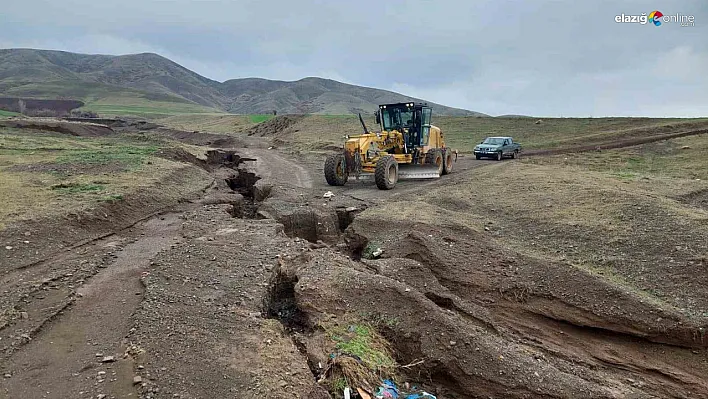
x: 244, y: 288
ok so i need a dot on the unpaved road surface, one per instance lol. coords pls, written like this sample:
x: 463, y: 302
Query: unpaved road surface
x: 224, y: 296
x: 62, y: 360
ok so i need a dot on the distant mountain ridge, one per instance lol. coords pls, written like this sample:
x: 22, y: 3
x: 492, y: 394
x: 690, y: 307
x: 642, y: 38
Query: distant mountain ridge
x: 151, y: 78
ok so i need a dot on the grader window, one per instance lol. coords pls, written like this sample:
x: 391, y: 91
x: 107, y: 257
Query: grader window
x: 397, y: 118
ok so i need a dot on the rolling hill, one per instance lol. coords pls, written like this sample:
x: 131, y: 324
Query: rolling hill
x: 150, y: 83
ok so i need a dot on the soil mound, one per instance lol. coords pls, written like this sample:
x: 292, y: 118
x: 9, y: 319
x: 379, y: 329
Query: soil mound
x: 64, y: 127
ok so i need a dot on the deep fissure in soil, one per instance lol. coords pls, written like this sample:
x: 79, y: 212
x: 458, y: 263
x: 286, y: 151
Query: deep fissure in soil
x: 242, y: 182
x: 280, y: 304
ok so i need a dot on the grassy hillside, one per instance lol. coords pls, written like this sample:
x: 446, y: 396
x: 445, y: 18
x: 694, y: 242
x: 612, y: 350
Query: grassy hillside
x: 148, y: 84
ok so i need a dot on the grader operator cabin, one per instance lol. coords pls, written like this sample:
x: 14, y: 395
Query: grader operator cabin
x: 407, y: 146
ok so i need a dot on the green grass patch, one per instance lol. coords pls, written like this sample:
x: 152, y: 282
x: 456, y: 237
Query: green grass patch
x: 112, y: 198
x: 364, y: 342
x: 4, y: 114
x: 370, y: 250
x: 625, y: 175
x: 75, y: 188
x: 260, y: 118
x: 340, y: 384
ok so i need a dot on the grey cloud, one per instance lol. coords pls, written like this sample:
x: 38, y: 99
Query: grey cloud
x: 545, y: 58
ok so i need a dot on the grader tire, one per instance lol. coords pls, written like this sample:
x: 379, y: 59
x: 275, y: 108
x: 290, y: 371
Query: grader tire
x: 447, y: 165
x: 335, y: 171
x: 435, y: 157
x: 386, y: 174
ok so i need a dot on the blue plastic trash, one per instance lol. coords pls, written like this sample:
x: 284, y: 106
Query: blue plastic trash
x: 387, y: 390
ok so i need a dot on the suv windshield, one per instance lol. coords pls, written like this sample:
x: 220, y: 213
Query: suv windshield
x: 493, y: 141
x: 396, y: 118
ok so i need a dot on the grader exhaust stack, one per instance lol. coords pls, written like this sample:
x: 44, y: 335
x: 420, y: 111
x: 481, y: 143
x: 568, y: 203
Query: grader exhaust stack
x: 407, y: 146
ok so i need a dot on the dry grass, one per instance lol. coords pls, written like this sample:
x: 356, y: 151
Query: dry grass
x: 586, y: 210
x: 320, y: 132
x: 682, y: 158
x: 45, y: 174
x: 465, y: 133
x: 216, y: 123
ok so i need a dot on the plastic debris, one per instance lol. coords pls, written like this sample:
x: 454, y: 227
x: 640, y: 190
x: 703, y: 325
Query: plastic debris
x: 347, y: 393
x: 422, y: 395
x: 328, y: 194
x: 387, y: 390
x: 377, y: 252
x: 363, y: 394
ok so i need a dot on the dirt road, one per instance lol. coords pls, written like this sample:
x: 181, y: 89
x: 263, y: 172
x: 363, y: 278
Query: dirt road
x: 196, y: 303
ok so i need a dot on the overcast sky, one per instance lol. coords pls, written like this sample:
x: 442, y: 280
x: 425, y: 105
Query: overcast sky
x: 545, y: 58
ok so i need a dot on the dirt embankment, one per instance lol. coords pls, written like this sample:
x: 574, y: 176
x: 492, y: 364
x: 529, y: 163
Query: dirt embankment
x: 275, y: 127
x: 484, y: 326
x: 65, y: 127
x: 17, y: 104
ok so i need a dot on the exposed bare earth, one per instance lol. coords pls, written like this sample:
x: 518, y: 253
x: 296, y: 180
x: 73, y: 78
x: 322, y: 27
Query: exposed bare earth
x: 552, y: 282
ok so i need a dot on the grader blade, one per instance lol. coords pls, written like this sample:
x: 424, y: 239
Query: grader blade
x: 418, y: 171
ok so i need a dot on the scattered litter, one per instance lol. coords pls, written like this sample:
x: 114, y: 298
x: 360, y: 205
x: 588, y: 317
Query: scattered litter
x: 270, y: 148
x: 347, y: 393
x: 377, y: 252
x: 328, y: 194
x: 387, y: 390
x: 422, y: 395
x: 8, y: 247
x: 108, y: 359
x: 363, y: 394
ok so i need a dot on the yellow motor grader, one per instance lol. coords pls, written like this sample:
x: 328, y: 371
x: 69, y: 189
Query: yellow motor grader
x: 407, y: 146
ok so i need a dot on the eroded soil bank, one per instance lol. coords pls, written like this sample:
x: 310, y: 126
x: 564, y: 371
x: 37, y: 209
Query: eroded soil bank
x: 257, y: 285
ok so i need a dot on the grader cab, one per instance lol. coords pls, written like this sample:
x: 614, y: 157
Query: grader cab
x: 406, y: 146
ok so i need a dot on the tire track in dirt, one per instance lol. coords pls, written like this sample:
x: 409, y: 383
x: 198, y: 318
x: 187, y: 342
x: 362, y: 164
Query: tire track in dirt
x: 51, y: 364
x: 58, y: 359
x: 270, y: 165
x: 608, y: 145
